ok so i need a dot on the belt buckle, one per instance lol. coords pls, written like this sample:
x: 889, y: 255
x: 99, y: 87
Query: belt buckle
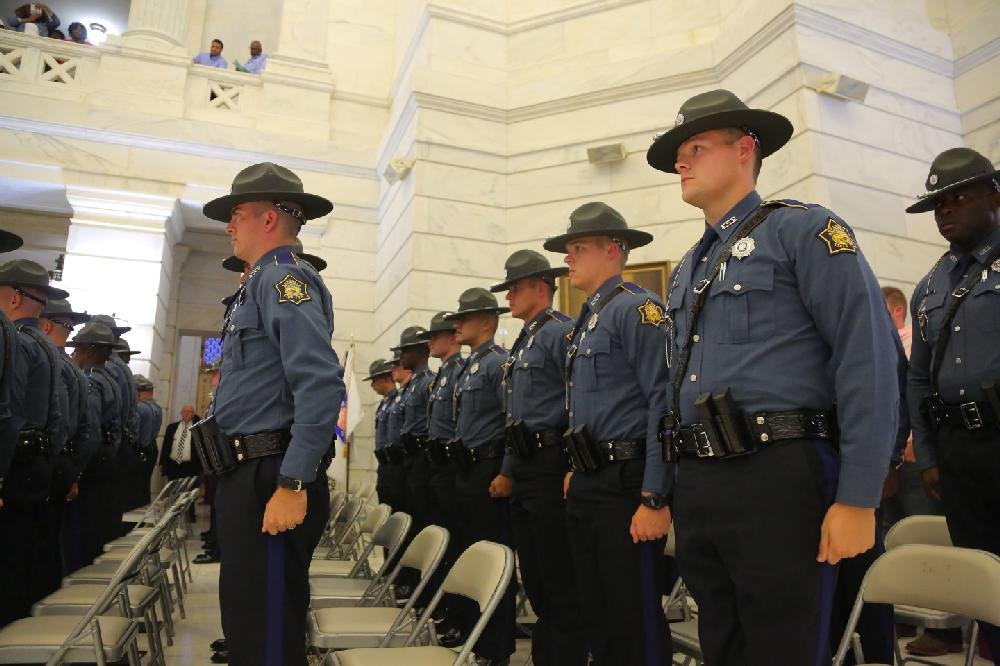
x: 702, y: 445
x: 970, y: 414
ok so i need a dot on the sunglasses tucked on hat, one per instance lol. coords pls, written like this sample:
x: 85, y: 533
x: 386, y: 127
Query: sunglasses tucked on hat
x: 412, y: 336
x: 718, y: 109
x: 60, y: 307
x: 440, y: 322
x: 237, y: 265
x: 9, y: 241
x: 378, y: 368
x: 528, y: 264
x: 951, y: 170
x: 25, y: 274
x: 597, y: 219
x: 95, y: 334
x: 268, y: 182
x: 476, y: 299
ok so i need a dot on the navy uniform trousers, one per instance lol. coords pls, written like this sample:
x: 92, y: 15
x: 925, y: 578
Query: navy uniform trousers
x: 390, y: 484
x: 748, y: 532
x: 619, y: 582
x: 264, y: 579
x: 482, y: 517
x: 538, y: 518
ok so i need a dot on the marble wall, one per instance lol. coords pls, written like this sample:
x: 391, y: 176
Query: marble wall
x: 495, y: 104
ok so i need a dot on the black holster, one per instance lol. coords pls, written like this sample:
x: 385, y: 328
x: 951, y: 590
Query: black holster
x: 460, y: 455
x: 381, y: 457
x: 519, y: 439
x: 410, y: 443
x: 213, y: 447
x: 665, y: 433
x: 932, y: 408
x: 395, y: 454
x: 29, y: 479
x: 437, y: 451
x: 581, y: 450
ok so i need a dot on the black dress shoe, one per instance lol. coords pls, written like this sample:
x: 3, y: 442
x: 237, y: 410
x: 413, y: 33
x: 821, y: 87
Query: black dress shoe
x: 220, y: 657
x: 205, y: 558
x: 218, y: 645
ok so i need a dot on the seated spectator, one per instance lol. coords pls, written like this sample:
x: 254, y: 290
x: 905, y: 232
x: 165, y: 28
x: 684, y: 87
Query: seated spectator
x: 34, y: 18
x: 57, y: 34
x: 214, y: 56
x: 78, y: 34
x: 255, y: 65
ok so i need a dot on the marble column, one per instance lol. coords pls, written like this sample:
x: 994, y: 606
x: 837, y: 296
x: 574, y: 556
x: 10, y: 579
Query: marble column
x: 157, y: 21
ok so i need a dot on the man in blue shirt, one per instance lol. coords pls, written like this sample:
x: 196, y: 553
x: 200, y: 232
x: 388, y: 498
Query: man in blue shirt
x: 213, y: 58
x: 380, y: 375
x: 617, y: 495
x: 535, y: 465
x: 9, y: 423
x: 150, y: 421
x: 279, y: 378
x: 954, y: 374
x: 774, y: 318
x: 477, y: 452
x: 257, y: 61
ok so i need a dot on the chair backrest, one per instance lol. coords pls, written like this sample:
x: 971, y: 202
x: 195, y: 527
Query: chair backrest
x: 927, y: 530
x: 375, y: 518
x: 481, y: 573
x: 391, y: 535
x: 670, y: 546
x: 945, y: 578
x: 426, y: 550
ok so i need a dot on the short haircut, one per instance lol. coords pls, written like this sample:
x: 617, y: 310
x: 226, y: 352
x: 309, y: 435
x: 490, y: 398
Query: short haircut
x: 734, y: 134
x: 894, y: 297
x: 219, y: 42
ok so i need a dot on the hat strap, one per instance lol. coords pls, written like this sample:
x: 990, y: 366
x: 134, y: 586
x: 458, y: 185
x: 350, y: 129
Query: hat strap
x: 31, y: 296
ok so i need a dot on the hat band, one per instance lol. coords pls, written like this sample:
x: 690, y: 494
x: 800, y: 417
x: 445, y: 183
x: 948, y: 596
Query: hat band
x: 32, y: 297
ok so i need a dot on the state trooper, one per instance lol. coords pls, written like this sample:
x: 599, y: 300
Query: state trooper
x: 477, y: 453
x: 954, y: 375
x: 271, y: 418
x: 126, y: 353
x: 29, y: 564
x: 9, y: 422
x: 92, y: 346
x: 150, y: 421
x: 380, y: 376
x: 440, y: 336
x: 534, y: 466
x: 774, y: 318
x: 395, y: 453
x: 129, y: 465
x: 617, y: 493
x: 57, y: 321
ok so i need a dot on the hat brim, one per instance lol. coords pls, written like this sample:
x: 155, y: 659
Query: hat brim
x: 317, y: 263
x: 131, y: 352
x: 927, y: 201
x: 234, y: 264
x: 76, y: 318
x: 408, y: 345
x: 115, y: 347
x: 313, y: 205
x: 549, y: 272
x: 50, y: 292
x: 634, y: 237
x: 429, y: 333
x: 772, y: 129
x: 458, y: 315
x: 376, y: 376
x: 9, y: 241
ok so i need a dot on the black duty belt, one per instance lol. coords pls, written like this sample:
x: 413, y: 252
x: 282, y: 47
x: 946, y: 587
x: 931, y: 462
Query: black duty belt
x: 487, y: 451
x: 463, y: 458
x: 522, y: 442
x: 413, y: 445
x: 970, y: 415
x: 698, y: 441
x: 586, y: 454
x: 259, y: 445
x: 31, y: 443
x: 436, y: 451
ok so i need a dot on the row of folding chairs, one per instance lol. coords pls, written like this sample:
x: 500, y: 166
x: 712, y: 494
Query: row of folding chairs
x: 928, y: 581
x: 98, y: 614
x: 353, y: 617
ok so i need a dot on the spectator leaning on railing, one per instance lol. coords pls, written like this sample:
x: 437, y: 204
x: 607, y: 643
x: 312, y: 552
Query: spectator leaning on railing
x: 214, y: 56
x: 34, y: 18
x: 78, y: 34
x: 257, y: 61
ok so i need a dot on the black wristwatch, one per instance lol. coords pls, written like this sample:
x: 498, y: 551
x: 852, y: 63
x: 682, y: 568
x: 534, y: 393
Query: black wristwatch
x: 653, y: 501
x: 290, y: 483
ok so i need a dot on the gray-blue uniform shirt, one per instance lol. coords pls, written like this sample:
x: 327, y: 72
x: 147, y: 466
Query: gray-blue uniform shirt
x: 279, y: 370
x: 150, y: 420
x: 35, y: 399
x: 799, y: 322
x: 536, y: 376
x: 82, y: 426
x: 126, y: 386
x: 441, y: 418
x: 414, y: 403
x: 972, y: 355
x: 10, y: 423
x: 479, y: 396
x: 106, y: 401
x: 394, y: 417
x: 382, y: 419
x: 617, y: 382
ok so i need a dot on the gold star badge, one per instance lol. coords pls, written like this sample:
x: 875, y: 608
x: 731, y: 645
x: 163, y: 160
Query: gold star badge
x: 651, y: 313
x: 837, y: 238
x: 292, y: 291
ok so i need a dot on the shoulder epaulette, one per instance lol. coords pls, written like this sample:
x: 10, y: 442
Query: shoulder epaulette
x: 497, y: 349
x: 285, y: 257
x: 559, y: 316
x: 631, y: 288
x: 787, y: 203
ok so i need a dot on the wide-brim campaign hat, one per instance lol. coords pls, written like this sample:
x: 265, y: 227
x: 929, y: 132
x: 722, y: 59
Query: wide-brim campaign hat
x: 267, y: 182
x: 440, y: 323
x: 95, y: 334
x: 125, y: 348
x: 597, y: 219
x: 412, y: 336
x: 25, y: 274
x: 109, y: 321
x: 527, y: 264
x: 9, y: 241
x: 475, y: 300
x: 60, y: 307
x: 951, y: 170
x: 378, y: 368
x: 718, y: 109
x: 142, y: 383
x: 237, y: 265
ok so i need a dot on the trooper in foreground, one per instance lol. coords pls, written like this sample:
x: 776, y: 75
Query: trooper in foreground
x: 774, y: 317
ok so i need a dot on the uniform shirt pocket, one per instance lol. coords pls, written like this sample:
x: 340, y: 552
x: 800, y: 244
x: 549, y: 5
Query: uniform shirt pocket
x: 472, y: 392
x: 744, y: 304
x: 592, y: 369
x: 986, y: 303
x: 932, y: 306
x: 247, y: 336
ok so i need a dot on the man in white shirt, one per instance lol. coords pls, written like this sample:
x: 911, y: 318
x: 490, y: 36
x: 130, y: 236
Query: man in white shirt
x: 177, y: 457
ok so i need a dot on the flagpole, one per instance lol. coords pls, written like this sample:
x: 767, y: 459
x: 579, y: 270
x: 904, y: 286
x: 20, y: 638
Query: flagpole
x: 348, y: 438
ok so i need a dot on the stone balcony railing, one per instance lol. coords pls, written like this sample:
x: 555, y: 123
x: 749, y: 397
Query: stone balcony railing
x: 44, y: 66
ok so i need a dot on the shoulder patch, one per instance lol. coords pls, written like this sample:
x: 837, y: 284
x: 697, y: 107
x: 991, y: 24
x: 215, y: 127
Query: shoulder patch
x: 292, y: 290
x: 837, y: 238
x: 651, y: 313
